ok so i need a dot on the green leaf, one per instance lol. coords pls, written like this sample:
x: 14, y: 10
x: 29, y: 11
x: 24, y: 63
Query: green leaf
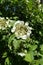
x: 16, y: 43
x: 41, y: 47
x: 41, y: 61
x: 7, y: 61
x: 33, y: 47
x: 37, y: 62
x: 4, y: 55
x: 11, y: 38
x: 29, y: 57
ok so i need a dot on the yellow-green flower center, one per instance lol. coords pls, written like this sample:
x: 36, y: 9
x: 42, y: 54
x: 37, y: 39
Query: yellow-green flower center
x: 21, y: 29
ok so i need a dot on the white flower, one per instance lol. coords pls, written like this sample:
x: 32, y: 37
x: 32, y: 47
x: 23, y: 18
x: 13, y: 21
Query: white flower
x: 21, y: 54
x: 26, y: 23
x: 28, y: 34
x: 12, y: 30
x: 9, y: 22
x: 19, y: 22
x: 1, y: 18
x: 4, y: 23
x: 7, y: 18
x: 21, y: 30
x: 23, y: 37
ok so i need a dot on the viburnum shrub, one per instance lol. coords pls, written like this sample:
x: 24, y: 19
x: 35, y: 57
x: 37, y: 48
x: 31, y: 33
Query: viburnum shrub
x: 21, y: 32
x: 14, y: 34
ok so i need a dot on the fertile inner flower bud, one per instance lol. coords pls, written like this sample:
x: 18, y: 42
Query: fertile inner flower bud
x: 21, y: 29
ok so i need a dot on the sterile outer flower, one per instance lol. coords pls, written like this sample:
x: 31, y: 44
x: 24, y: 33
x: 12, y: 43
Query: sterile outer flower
x: 13, y: 30
x: 26, y: 24
x: 19, y: 22
x: 23, y: 37
x: 9, y: 22
x: 28, y: 34
x: 21, y: 54
x: 1, y: 18
x: 21, y: 30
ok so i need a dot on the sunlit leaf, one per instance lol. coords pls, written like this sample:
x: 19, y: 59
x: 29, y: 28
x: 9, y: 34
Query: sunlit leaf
x: 4, y: 55
x: 29, y: 57
x: 7, y: 61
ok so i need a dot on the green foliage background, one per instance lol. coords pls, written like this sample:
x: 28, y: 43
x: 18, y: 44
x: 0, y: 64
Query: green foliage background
x: 33, y: 14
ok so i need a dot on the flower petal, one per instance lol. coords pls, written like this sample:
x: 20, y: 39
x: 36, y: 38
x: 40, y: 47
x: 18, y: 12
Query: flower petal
x: 20, y: 22
x: 13, y: 29
x: 26, y: 24
x: 24, y: 36
x: 21, y: 54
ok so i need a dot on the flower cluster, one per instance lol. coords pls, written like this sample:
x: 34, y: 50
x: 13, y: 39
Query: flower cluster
x: 4, y: 23
x: 21, y: 30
